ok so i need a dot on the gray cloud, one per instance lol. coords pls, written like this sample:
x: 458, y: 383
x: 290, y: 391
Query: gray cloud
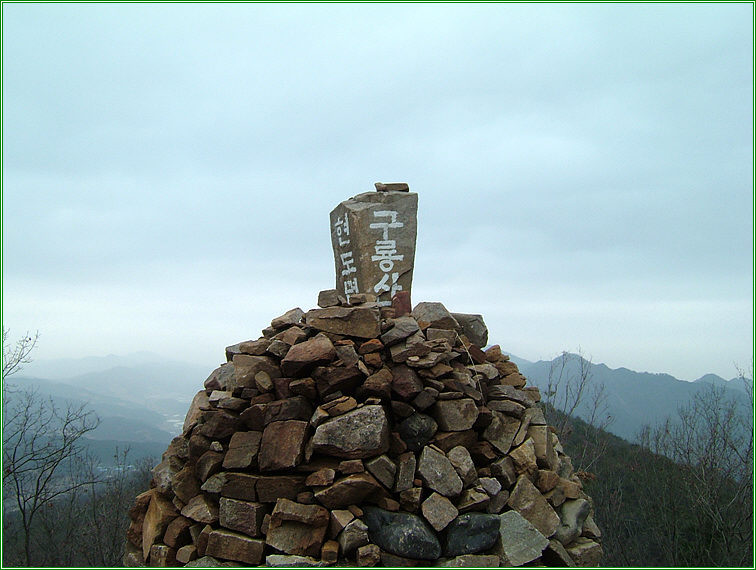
x: 584, y: 172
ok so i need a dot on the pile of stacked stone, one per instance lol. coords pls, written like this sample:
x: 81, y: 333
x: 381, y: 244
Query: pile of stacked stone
x: 365, y: 434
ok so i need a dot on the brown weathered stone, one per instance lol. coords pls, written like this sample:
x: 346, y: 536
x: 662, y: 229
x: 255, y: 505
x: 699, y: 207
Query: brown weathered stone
x: 162, y: 556
x: 460, y: 458
x: 234, y: 546
x: 405, y: 473
x: 516, y: 380
x: 330, y: 298
x: 368, y: 555
x: 546, y: 480
x: 331, y: 379
x: 493, y: 353
x: 240, y: 486
x: 556, y: 555
x: 246, y: 367
x: 504, y: 469
x: 177, y: 532
x: 402, y: 328
x: 446, y: 441
x: 186, y: 554
x: 473, y: 328
x: 305, y: 356
x: 401, y: 303
x: 270, y: 489
x: 289, y: 318
x: 524, y: 458
x: 199, y: 402
x: 491, y: 485
x: 585, y: 552
x: 455, y: 415
x: 501, y: 431
x: 288, y: 510
x: 507, y: 407
x: 242, y: 516
x: 320, y: 478
x: 304, y: 387
x: 438, y: 511
x: 329, y: 553
x: 339, y: 406
x: 294, y: 408
x: 201, y: 509
x: 434, y: 315
x: 208, y: 464
x: 360, y: 322
x: 201, y: 541
x: 378, y: 384
x: 242, y: 450
x: 413, y: 346
x: 501, y: 392
x: 383, y: 469
x: 349, y: 466
x: 339, y: 519
x: 282, y: 445
x: 405, y: 382
x: 410, y: 499
x: 159, y: 513
x: 354, y: 535
x: 544, y: 450
x: 347, y: 491
x: 529, y: 502
x: 474, y: 499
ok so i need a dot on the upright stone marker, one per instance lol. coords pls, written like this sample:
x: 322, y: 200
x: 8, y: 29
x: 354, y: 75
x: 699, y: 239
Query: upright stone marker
x: 373, y: 236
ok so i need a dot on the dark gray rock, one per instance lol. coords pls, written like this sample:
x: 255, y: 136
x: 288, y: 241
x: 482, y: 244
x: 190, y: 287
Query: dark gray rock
x: 471, y: 533
x: 402, y: 534
x: 417, y: 430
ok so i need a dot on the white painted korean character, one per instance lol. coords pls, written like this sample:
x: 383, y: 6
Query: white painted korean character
x: 348, y: 262
x: 351, y: 287
x: 382, y: 285
x: 386, y: 254
x: 342, y: 228
x: 384, y: 226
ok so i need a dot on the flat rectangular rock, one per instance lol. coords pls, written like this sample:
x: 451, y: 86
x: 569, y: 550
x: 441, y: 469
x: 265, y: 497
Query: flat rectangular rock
x: 361, y: 322
x: 373, y: 236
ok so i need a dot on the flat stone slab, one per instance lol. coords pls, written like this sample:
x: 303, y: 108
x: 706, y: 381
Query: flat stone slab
x: 361, y: 321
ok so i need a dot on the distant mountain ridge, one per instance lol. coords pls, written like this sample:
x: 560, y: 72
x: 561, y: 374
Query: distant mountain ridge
x: 635, y: 399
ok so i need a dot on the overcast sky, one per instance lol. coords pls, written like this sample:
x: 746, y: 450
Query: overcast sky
x: 584, y: 172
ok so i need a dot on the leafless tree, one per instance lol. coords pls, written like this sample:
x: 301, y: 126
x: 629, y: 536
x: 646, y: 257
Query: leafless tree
x: 710, y: 447
x: 572, y: 391
x: 15, y: 355
x: 42, y: 451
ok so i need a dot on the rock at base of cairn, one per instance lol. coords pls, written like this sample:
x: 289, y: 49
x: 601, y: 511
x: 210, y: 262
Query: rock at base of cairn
x: 349, y: 436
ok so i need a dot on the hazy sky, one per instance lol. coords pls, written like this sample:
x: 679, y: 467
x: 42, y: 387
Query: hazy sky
x: 584, y: 172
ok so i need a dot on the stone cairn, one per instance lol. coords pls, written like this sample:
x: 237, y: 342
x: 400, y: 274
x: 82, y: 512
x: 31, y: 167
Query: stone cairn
x: 366, y: 433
